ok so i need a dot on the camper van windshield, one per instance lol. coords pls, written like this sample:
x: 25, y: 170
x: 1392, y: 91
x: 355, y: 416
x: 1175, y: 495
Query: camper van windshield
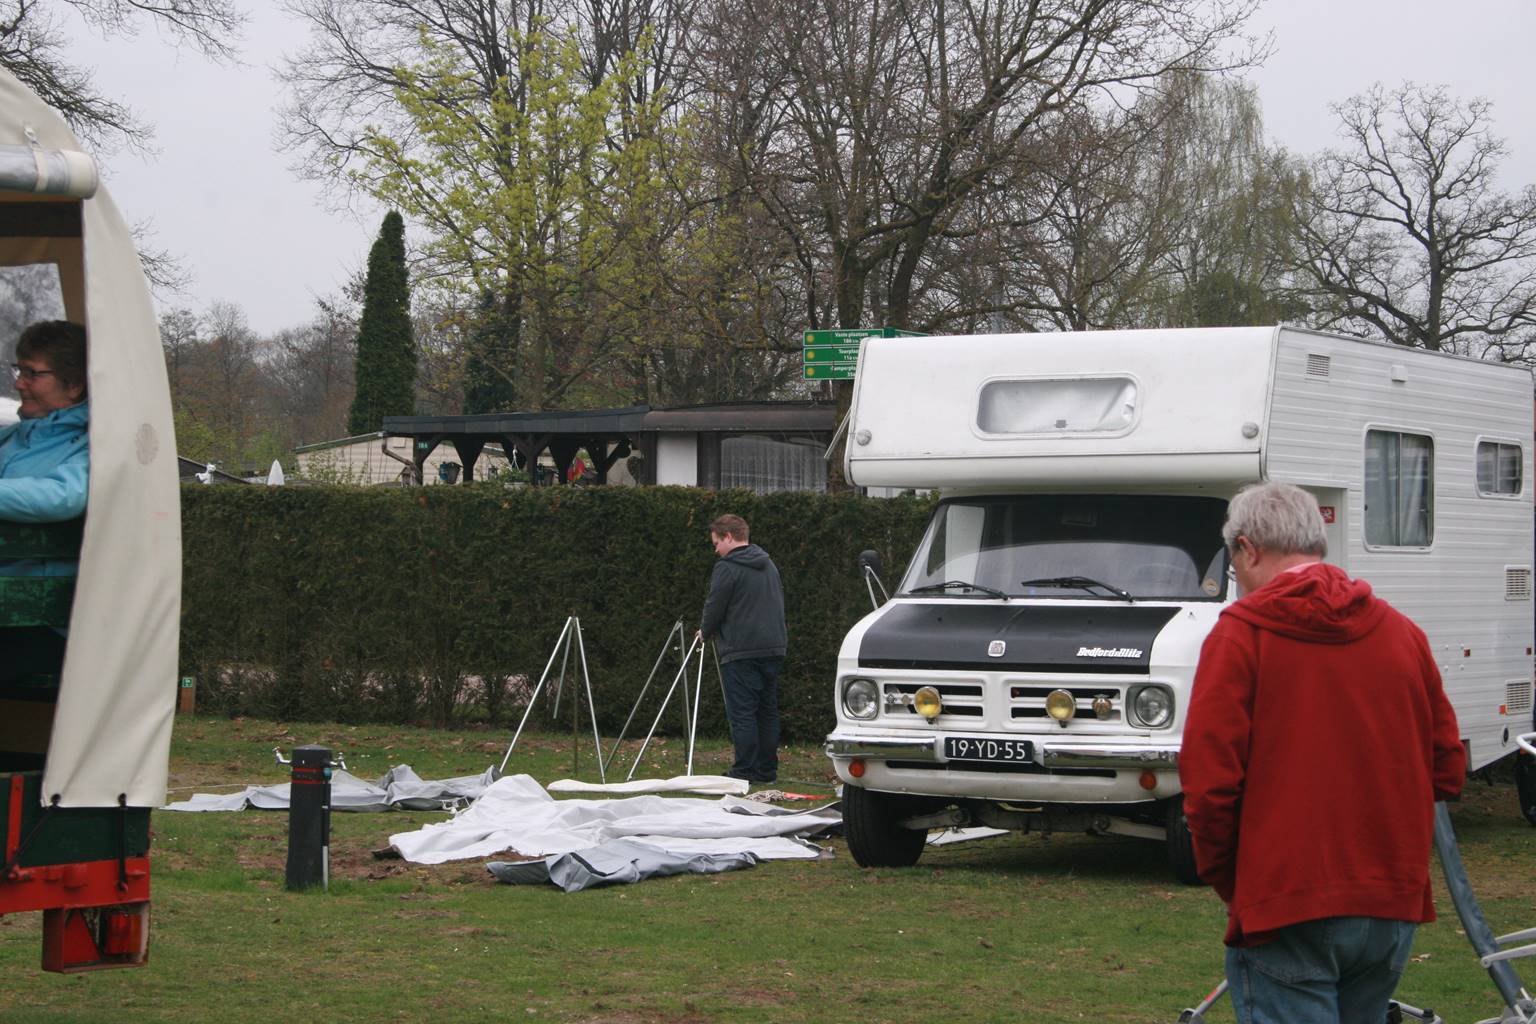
x: 1149, y: 546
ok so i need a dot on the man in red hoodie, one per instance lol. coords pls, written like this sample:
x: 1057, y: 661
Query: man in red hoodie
x: 1317, y: 741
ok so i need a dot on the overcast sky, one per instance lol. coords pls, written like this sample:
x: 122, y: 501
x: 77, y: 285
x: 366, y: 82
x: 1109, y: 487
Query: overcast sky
x: 222, y: 198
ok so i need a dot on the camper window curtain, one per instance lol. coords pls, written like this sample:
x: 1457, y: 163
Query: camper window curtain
x: 762, y: 463
x: 1399, y: 489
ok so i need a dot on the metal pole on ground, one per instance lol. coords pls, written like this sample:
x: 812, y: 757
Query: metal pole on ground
x: 309, y: 819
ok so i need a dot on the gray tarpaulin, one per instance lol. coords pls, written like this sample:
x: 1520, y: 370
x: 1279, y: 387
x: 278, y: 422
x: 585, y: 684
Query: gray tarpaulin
x: 620, y: 862
x: 515, y: 813
x: 399, y: 788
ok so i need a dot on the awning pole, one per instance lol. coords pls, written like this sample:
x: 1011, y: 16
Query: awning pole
x: 536, y: 691
x: 677, y: 630
x: 597, y: 742
x: 681, y: 672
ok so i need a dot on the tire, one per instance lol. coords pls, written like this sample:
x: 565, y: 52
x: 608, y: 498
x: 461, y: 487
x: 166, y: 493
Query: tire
x: 871, y: 823
x: 1181, y: 845
x: 1525, y: 785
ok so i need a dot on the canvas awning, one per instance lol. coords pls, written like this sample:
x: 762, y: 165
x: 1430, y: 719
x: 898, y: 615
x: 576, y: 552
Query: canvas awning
x: 111, y: 730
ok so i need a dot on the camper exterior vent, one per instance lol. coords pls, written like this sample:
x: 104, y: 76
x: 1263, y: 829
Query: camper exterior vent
x: 1517, y: 583
x: 1517, y: 696
x: 1318, y: 366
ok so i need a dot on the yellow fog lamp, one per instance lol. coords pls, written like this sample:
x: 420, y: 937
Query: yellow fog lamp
x: 926, y: 702
x: 1061, y: 705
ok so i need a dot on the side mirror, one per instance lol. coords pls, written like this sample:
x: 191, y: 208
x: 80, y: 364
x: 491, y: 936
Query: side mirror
x: 869, y: 560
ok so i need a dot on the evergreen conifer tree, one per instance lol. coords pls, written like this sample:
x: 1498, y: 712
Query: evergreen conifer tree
x: 386, y: 341
x: 488, y: 367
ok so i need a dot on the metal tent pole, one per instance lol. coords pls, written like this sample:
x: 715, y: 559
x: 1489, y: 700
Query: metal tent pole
x: 597, y: 743
x: 536, y: 691
x: 698, y: 698
x: 677, y: 628
x: 681, y: 672
x: 565, y: 658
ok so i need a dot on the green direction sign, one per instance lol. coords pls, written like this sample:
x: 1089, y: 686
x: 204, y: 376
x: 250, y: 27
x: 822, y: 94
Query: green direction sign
x: 831, y: 353
x: 851, y: 336
x: 834, y: 355
x: 830, y: 371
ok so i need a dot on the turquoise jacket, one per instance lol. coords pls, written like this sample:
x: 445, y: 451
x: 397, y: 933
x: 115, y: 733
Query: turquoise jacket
x: 45, y: 465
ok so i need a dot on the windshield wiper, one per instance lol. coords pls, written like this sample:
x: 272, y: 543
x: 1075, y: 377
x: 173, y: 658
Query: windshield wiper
x: 1078, y: 583
x: 961, y: 584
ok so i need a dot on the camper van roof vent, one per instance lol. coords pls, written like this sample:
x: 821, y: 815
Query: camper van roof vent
x: 1318, y: 366
x: 1517, y: 695
x: 1517, y: 583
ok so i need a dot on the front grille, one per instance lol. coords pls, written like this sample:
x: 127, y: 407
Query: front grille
x: 1028, y: 702
x: 1000, y: 768
x: 961, y: 700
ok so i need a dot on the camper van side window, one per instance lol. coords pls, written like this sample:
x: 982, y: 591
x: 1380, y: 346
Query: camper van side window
x: 1498, y: 468
x: 1399, y: 489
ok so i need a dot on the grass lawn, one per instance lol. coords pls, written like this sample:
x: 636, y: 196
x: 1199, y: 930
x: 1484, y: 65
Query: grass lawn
x: 1012, y: 929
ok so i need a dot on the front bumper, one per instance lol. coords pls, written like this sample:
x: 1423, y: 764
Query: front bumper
x: 1118, y: 756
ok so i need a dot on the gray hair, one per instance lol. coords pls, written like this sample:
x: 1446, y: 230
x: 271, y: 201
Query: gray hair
x: 1276, y: 517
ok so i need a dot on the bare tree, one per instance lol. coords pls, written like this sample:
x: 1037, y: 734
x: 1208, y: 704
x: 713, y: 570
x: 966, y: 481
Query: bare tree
x: 1405, y: 232
x: 309, y: 373
x: 884, y: 119
x: 33, y: 47
x: 179, y: 336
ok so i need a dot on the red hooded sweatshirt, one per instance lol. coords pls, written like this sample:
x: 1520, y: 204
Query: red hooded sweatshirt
x: 1317, y: 740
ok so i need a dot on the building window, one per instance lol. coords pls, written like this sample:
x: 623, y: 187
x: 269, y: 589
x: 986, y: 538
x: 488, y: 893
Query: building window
x: 1498, y: 468
x: 764, y: 463
x: 1399, y: 489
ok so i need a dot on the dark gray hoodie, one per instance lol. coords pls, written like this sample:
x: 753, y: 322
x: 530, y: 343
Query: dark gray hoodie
x: 744, y: 612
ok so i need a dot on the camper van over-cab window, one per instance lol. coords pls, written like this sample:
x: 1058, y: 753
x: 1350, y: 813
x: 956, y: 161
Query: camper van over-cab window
x: 1136, y: 547
x: 1399, y: 489
x: 1498, y: 468
x: 1088, y: 405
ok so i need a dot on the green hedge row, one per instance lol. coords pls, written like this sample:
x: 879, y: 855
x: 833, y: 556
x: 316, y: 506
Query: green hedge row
x: 442, y: 604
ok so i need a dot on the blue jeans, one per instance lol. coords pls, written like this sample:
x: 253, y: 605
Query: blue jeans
x: 1335, y: 970
x: 752, y: 706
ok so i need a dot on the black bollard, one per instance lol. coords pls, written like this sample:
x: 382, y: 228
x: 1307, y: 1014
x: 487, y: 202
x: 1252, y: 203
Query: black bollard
x: 309, y: 819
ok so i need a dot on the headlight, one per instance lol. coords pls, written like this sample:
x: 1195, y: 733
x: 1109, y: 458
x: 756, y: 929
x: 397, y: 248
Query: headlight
x: 1152, y: 707
x: 1061, y: 705
x: 861, y: 699
x: 926, y: 702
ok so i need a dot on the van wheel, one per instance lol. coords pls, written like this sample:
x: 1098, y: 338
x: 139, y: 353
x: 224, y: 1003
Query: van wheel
x: 1181, y: 845
x: 1525, y: 785
x: 871, y: 822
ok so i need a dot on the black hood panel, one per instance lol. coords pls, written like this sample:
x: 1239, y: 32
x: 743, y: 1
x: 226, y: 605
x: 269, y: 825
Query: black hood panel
x: 1038, y: 638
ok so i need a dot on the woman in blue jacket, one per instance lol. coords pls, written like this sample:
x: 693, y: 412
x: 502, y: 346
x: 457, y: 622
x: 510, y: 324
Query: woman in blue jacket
x: 45, y: 457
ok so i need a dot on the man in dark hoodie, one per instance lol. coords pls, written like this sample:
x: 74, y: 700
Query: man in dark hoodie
x: 744, y: 615
x: 1317, y: 741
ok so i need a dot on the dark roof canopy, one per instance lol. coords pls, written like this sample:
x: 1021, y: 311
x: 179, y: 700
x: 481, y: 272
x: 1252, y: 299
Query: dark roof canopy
x: 735, y: 416
x: 607, y: 434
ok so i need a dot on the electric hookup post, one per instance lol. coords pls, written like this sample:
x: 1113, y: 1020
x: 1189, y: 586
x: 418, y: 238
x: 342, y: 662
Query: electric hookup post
x: 309, y: 817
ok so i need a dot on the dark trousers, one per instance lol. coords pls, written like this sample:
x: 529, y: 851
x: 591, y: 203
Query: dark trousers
x: 752, y: 705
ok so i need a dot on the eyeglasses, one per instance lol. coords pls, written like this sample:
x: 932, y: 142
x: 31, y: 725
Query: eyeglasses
x: 19, y: 372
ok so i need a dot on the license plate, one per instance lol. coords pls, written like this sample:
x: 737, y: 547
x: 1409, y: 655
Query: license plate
x: 971, y: 748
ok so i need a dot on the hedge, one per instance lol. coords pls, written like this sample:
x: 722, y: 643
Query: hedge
x: 442, y: 604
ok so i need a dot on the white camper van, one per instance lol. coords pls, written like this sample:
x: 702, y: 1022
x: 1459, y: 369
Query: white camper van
x: 1032, y: 668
